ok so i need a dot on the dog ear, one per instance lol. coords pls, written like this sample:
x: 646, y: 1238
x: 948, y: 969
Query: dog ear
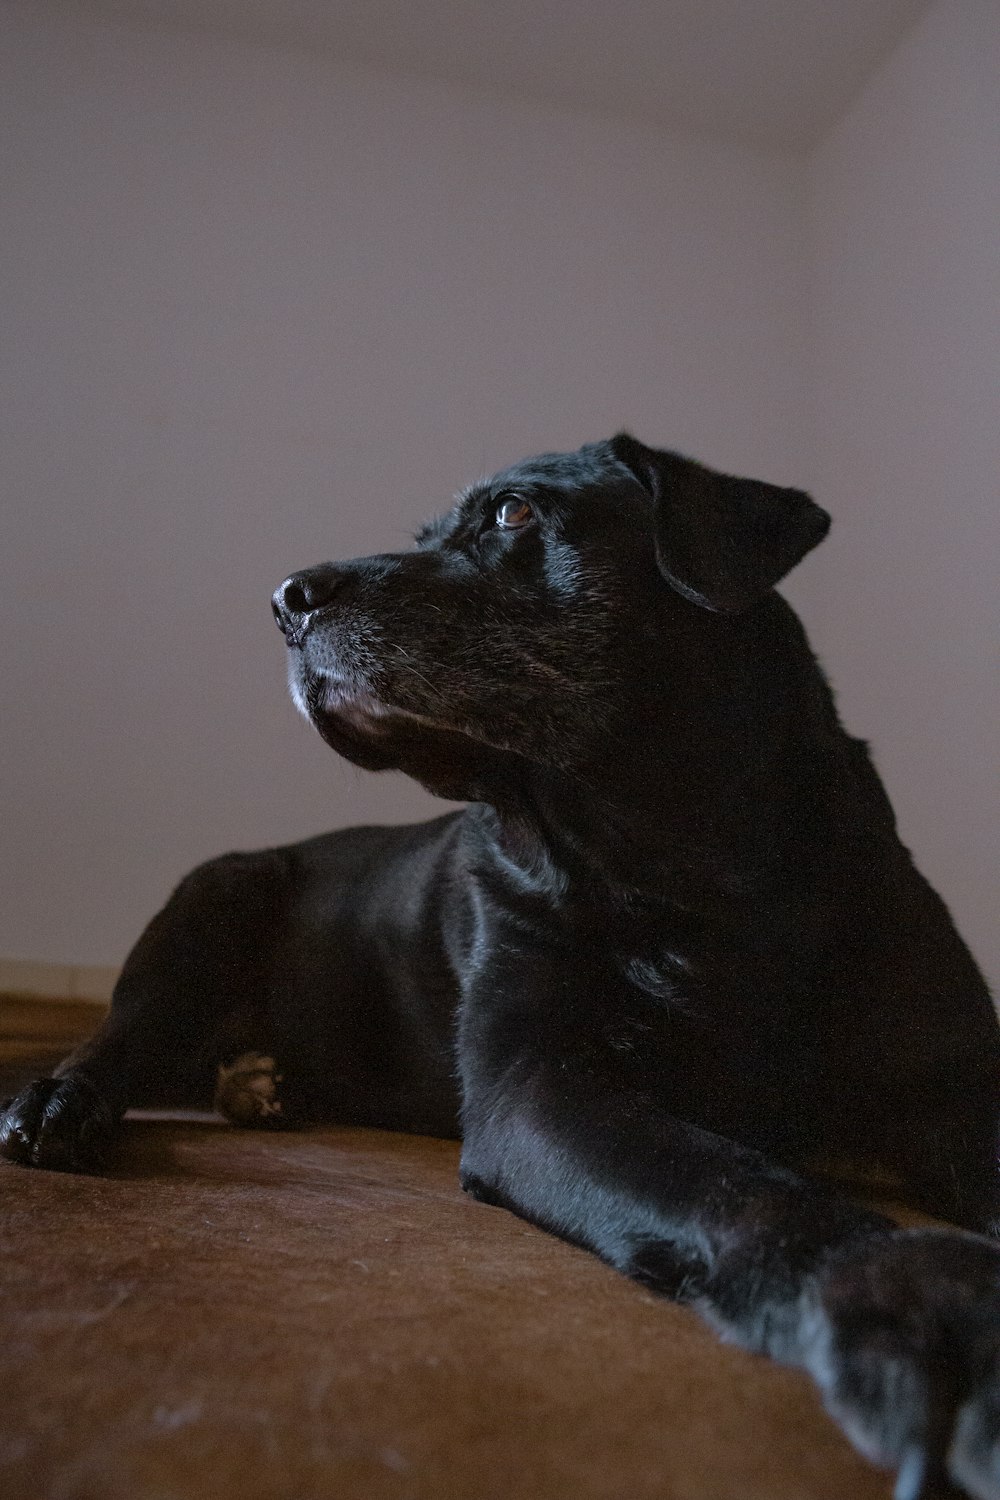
x: 721, y: 542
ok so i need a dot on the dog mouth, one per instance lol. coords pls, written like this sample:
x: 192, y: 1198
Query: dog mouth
x: 357, y: 711
x: 352, y: 718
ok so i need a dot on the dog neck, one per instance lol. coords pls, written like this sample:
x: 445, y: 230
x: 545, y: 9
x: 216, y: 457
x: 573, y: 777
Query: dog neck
x: 731, y: 786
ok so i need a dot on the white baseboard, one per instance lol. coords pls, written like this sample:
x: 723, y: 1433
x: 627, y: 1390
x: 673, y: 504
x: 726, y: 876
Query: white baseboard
x: 48, y: 981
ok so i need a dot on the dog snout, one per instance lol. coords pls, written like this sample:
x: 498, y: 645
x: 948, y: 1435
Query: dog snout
x: 304, y: 594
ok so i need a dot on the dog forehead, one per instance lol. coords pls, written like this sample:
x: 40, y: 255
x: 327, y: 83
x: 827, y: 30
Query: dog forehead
x: 584, y: 474
x: 590, y: 466
x: 579, y: 475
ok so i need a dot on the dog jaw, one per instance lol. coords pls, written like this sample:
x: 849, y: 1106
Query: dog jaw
x: 333, y: 702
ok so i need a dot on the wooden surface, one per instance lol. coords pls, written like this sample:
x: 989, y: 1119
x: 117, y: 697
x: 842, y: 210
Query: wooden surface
x: 325, y: 1316
x: 37, y: 1033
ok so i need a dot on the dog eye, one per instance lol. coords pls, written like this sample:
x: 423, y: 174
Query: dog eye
x: 514, y: 512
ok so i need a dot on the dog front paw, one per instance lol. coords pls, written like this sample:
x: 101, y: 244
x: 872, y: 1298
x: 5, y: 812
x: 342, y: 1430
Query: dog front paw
x: 907, y: 1354
x: 63, y: 1124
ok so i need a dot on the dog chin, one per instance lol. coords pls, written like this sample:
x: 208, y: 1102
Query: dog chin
x: 297, y: 687
x: 317, y: 695
x: 352, y: 720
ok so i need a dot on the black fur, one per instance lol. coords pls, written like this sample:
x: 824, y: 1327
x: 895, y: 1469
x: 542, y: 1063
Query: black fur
x: 671, y: 959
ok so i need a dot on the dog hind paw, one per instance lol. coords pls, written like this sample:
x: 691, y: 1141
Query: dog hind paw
x: 63, y: 1124
x: 909, y: 1359
x: 975, y: 1455
x: 246, y: 1091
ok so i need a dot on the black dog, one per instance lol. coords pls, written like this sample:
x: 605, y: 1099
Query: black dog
x: 670, y: 959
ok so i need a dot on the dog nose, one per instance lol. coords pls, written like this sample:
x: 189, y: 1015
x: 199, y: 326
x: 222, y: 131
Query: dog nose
x: 303, y: 594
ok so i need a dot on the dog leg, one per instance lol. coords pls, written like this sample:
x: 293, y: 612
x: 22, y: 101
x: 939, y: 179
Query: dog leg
x: 899, y: 1328
x: 192, y: 995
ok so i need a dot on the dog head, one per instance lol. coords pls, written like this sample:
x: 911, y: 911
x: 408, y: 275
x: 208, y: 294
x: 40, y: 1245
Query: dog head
x: 543, y: 611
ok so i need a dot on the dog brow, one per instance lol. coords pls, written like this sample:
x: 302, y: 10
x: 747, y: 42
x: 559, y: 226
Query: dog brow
x: 429, y: 531
x: 477, y: 490
x: 470, y: 498
x: 439, y: 527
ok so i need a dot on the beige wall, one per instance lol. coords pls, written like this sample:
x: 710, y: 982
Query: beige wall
x: 261, y: 310
x: 905, y: 227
